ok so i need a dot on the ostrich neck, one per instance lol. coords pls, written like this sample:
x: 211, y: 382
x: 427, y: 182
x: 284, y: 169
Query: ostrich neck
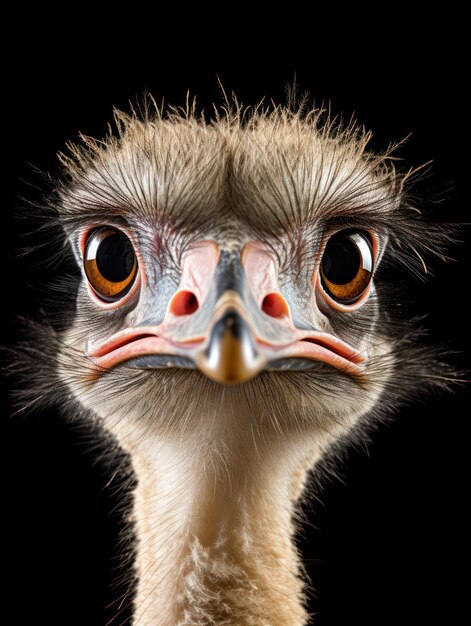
x: 215, y: 532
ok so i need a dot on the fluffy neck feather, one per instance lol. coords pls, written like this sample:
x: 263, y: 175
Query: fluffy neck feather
x: 214, y: 528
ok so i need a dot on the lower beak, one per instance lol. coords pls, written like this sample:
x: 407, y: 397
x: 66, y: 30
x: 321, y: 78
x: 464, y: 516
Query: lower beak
x: 231, y: 355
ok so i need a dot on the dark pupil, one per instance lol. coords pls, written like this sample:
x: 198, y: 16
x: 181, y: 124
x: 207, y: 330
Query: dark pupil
x: 115, y: 258
x: 341, y: 260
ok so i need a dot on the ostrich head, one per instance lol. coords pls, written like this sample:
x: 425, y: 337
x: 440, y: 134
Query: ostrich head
x: 231, y: 266
x: 231, y: 309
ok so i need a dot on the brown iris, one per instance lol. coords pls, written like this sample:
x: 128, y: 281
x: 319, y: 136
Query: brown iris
x: 110, y: 263
x: 347, y: 265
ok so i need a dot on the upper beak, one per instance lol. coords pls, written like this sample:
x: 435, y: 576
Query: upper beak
x: 231, y: 355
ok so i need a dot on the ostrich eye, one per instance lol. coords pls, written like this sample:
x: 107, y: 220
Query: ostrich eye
x: 110, y: 263
x: 347, y: 266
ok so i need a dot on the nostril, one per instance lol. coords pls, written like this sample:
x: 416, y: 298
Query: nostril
x: 275, y: 305
x: 184, y: 303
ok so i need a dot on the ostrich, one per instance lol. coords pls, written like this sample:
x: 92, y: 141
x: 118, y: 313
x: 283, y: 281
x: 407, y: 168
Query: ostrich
x: 232, y: 325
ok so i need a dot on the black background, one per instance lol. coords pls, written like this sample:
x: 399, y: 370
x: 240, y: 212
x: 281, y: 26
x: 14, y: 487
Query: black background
x: 388, y: 537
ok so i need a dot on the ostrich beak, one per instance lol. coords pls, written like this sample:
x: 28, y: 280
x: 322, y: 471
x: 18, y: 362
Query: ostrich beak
x: 231, y: 355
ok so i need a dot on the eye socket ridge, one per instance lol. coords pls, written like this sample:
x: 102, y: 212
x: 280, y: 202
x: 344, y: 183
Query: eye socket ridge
x: 110, y: 263
x: 347, y: 265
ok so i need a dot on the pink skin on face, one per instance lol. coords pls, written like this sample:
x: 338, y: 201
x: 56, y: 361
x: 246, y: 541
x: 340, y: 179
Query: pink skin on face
x: 198, y: 270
